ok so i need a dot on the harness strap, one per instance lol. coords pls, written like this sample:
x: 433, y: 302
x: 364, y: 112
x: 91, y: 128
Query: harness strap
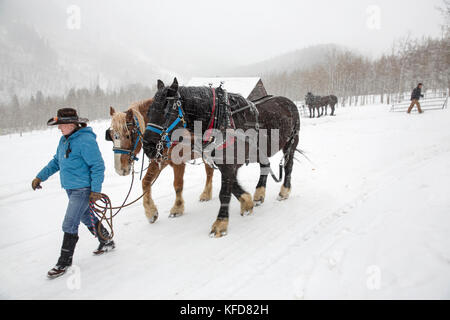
x: 138, y: 127
x: 154, y: 128
x: 125, y: 151
x: 164, y: 132
x: 230, y: 140
x: 211, y: 123
x: 173, y: 125
x: 241, y: 109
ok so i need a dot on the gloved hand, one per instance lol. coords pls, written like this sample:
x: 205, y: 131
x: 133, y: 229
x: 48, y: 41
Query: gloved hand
x: 36, y: 183
x: 94, y: 196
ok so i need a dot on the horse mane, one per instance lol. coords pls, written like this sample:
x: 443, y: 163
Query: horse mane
x: 139, y: 109
x: 142, y: 107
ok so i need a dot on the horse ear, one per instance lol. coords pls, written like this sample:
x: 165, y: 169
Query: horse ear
x: 111, y: 111
x: 129, y: 116
x: 160, y: 85
x: 174, y: 85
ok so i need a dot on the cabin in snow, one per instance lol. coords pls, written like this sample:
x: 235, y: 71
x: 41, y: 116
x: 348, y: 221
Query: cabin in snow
x: 250, y: 88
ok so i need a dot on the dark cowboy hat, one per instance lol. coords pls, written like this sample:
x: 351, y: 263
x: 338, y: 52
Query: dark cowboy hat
x: 66, y: 115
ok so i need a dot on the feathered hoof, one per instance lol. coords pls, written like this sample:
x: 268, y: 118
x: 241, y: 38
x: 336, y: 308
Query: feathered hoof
x: 284, y: 193
x: 205, y: 196
x: 259, y: 196
x: 257, y: 203
x: 175, y: 215
x: 151, y: 214
x: 176, y: 211
x: 153, y: 218
x: 246, y: 204
x: 219, y: 228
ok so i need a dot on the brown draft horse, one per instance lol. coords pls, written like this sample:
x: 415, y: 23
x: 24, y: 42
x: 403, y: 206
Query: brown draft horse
x: 125, y: 136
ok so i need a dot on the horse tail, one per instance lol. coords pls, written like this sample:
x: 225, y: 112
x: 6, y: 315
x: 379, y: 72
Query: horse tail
x: 303, y: 153
x: 288, y: 149
x: 280, y: 174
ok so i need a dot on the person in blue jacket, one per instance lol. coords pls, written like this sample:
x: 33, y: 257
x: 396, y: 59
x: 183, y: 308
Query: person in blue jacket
x: 81, y: 168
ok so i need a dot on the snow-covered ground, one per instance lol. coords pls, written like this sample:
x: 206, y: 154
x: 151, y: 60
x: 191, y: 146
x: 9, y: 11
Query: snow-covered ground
x: 368, y: 217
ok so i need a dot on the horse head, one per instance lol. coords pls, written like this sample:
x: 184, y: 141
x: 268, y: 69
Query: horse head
x: 126, y: 134
x: 309, y: 98
x: 164, y: 116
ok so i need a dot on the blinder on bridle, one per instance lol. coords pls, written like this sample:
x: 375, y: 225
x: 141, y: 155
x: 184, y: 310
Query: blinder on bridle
x: 108, y: 135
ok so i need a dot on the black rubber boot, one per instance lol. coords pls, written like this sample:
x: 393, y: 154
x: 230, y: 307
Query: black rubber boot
x: 65, y: 259
x: 105, y: 245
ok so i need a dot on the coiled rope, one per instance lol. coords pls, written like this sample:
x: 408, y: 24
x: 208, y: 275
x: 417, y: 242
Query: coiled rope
x: 104, y: 210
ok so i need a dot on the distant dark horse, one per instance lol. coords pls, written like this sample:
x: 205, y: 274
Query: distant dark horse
x: 313, y: 102
x: 175, y: 107
x: 330, y: 100
x: 320, y: 103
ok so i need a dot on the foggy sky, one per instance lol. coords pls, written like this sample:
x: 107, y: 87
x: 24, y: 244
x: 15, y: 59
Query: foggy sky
x: 181, y: 35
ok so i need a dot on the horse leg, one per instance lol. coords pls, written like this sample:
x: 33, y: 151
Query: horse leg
x: 207, y: 191
x: 220, y: 226
x: 260, y: 192
x: 244, y: 198
x: 332, y: 109
x: 326, y: 110
x: 178, y: 207
x: 288, y: 151
x: 151, y: 212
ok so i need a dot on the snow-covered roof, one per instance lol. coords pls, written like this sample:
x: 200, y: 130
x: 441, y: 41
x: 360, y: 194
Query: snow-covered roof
x: 241, y: 85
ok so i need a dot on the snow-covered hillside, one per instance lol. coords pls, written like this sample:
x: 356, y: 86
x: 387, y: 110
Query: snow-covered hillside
x: 368, y: 217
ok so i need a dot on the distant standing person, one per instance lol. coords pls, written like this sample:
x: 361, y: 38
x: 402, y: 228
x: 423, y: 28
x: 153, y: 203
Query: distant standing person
x: 81, y: 167
x: 415, y: 96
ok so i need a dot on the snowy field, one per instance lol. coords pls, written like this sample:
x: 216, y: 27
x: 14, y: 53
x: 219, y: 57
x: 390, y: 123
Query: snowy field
x: 368, y: 218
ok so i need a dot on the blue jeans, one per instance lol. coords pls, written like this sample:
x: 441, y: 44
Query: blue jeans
x: 78, y: 210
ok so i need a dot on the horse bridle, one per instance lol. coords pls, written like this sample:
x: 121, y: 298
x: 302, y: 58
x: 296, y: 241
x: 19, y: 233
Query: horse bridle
x: 135, y: 132
x: 167, y: 128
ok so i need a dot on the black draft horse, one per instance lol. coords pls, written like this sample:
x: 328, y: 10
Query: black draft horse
x: 176, y: 106
x: 314, y: 103
x: 317, y: 102
x: 331, y: 101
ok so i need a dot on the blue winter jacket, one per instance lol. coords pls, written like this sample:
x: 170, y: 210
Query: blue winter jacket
x: 79, y: 161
